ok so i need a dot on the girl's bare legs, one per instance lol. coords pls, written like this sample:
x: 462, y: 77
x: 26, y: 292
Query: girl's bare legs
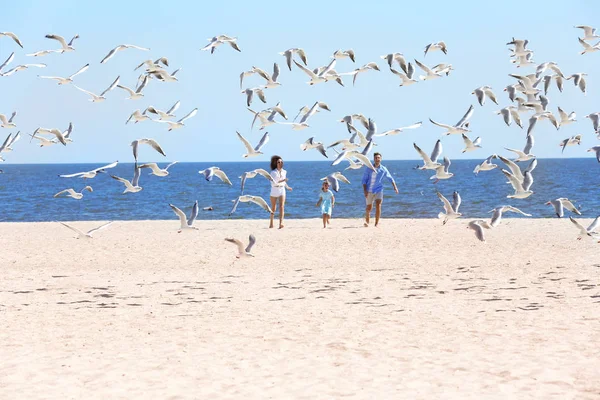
x: 274, y: 208
x: 324, y: 220
x: 281, y: 210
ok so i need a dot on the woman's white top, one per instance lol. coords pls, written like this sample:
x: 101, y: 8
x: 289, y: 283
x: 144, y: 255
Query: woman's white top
x: 278, y: 188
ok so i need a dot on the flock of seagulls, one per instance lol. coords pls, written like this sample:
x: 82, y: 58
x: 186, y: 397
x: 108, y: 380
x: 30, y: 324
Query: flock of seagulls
x: 527, y: 96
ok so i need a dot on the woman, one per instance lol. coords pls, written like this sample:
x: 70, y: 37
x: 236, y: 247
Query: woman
x: 278, y: 187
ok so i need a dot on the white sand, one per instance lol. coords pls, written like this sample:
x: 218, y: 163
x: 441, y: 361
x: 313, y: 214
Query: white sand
x: 410, y: 310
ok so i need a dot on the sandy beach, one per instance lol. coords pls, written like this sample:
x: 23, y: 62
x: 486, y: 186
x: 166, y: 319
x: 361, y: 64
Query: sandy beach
x: 412, y: 309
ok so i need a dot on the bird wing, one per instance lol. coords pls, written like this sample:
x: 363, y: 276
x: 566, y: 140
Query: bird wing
x: 516, y: 171
x: 570, y: 206
x: 456, y: 201
x: 251, y: 240
x: 70, y: 175
x: 307, y: 71
x: 153, y: 166
x: 111, y: 87
x: 60, y: 39
x: 528, y: 145
x: 264, y: 173
x: 109, y: 55
x: 85, y: 91
x: 82, y: 69
x: 423, y: 155
x: 154, y: 144
x: 99, y: 227
x: 594, y: 225
x: 74, y: 229
x: 478, y: 230
x: 136, y: 175
x: 468, y: 142
x: 437, y: 150
x: 123, y: 180
x: 174, y: 108
x: 180, y: 214
x: 261, y: 202
x: 465, y: 117
x: 70, y: 191
x: 130, y: 91
x: 235, y: 204
x: 447, y: 206
x: 364, y: 159
x: 222, y: 176
x: 424, y: 67
x: 264, y: 140
x: 310, y: 112
x: 8, y: 60
x: 446, y: 164
x: 111, y: 165
x: 239, y: 244
x: 516, y: 183
x: 246, y: 143
x: 193, y: 214
x: 190, y: 115
x: 441, y: 125
x: 527, y: 180
x: 578, y: 225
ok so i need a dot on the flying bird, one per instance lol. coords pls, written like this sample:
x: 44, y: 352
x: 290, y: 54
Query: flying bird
x: 243, y: 252
x: 451, y: 210
x: 133, y: 185
x: 186, y: 223
x: 90, y: 174
x: 151, y: 142
x: 88, y: 234
x: 211, y: 172
x: 73, y: 194
x: 95, y: 98
x: 121, y: 48
x: 250, y: 151
x: 69, y: 79
x: 560, y: 204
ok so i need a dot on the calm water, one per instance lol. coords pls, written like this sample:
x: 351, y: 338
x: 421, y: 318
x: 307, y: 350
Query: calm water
x: 26, y: 191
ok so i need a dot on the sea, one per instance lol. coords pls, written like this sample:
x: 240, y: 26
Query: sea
x: 27, y: 190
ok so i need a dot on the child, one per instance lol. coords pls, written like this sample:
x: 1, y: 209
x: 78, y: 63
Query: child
x: 327, y: 201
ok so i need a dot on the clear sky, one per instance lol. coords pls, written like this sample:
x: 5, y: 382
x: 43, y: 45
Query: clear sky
x: 475, y: 33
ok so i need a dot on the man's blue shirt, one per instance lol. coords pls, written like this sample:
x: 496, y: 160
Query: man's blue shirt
x: 377, y: 186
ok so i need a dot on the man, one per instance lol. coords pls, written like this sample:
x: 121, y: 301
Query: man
x: 372, y: 182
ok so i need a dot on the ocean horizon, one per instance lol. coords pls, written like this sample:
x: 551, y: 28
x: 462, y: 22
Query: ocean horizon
x: 27, y: 190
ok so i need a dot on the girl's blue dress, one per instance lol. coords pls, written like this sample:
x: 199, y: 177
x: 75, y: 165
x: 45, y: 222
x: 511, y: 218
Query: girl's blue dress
x: 326, y: 198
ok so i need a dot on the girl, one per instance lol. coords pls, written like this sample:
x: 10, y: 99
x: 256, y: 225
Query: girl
x: 327, y: 201
x: 278, y: 187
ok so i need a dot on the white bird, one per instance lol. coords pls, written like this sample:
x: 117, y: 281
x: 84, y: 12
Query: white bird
x: 399, y: 58
x: 573, y: 140
x: 186, y: 223
x: 13, y: 37
x: 307, y: 114
x: 250, y: 95
x: 595, y: 118
x: 430, y: 74
x: 64, y: 137
x: 250, y: 151
x: 59, y: 135
x: 73, y: 194
x: 133, y: 185
x: 252, y: 174
x: 42, y: 140
x: 441, y: 172
x: 65, y: 81
x: 90, y: 174
x: 430, y: 162
x: 252, y: 199
x: 320, y: 76
x: 8, y: 123
x: 63, y: 43
x: 442, y: 69
x: 164, y: 76
x: 364, y: 68
x: 521, y: 187
x: 523, y: 60
x: 334, y: 180
x: 21, y: 68
x: 509, y: 114
x: 486, y: 165
x: 266, y: 117
x: 137, y: 116
x: 95, y: 98
x: 345, y: 54
x: 178, y: 124
x: 88, y: 234
x: 354, y: 154
x: 399, y: 130
x: 7, y: 145
x: 589, y: 33
x: 7, y: 61
x: 216, y: 41
x: 471, y: 145
x: 524, y: 155
x: 164, y: 115
x: 436, y: 46
x: 151, y: 142
x: 451, y: 210
x: 290, y: 52
x: 545, y: 115
x: 312, y: 144
x: 408, y: 78
x: 588, y: 48
x: 590, y: 231
x: 271, y: 79
x: 243, y: 252
x: 460, y: 127
x: 137, y: 93
x: 211, y: 172
x: 477, y: 226
x: 121, y: 48
x: 595, y: 149
x: 566, y: 119
x: 156, y: 170
x: 152, y: 66
x: 482, y: 92
x: 579, y: 79
x: 560, y: 204
x: 548, y: 80
x: 42, y: 53
x: 498, y: 211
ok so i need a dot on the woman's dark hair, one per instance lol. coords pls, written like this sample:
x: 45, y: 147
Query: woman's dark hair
x: 274, y: 160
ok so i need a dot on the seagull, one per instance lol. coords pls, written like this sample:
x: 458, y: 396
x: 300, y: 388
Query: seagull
x: 579, y: 80
x: 13, y: 37
x: 399, y: 130
x: 573, y: 140
x: 441, y: 172
x: 309, y: 111
x: 408, y: 78
x: 346, y: 154
x: 588, y: 48
x: 43, y: 141
x: 311, y: 144
x: 497, y: 216
x: 344, y: 54
x: 63, y: 137
x: 152, y: 66
x: 334, y: 179
x: 59, y: 135
x: 133, y: 186
x: 7, y: 61
x: 589, y: 231
x: 156, y: 170
x: 266, y: 117
x: 483, y: 92
x: 137, y: 116
x: 252, y: 152
x: 164, y: 76
x: 486, y: 165
x: 250, y: 95
x: 21, y: 68
x: 253, y: 199
x: 211, y: 172
x: 560, y: 204
x: 137, y: 93
x: 451, y: 210
x: 73, y: 194
x: 317, y: 77
x: 88, y: 234
x: 589, y: 33
x: 566, y: 119
x: 121, y: 48
x: 90, y: 174
x: 186, y: 223
x: 271, y: 79
x: 399, y: 58
x: 524, y: 155
x: 470, y: 145
x: 290, y: 52
x: 534, y: 118
x: 521, y: 187
x: 64, y: 81
x: 216, y: 41
x: 252, y: 174
x: 477, y: 226
x: 523, y: 60
x: 595, y: 118
x: 548, y: 65
x: 7, y: 145
x: 509, y: 114
x: 153, y: 143
x: 7, y: 123
x: 519, y: 44
x: 64, y: 45
x: 243, y: 252
x: 178, y: 124
x: 428, y: 71
x: 95, y: 98
x: 595, y: 149
x: 460, y: 127
x: 164, y: 115
x: 436, y: 46
x: 364, y: 68
x: 548, y: 80
x: 43, y: 53
x: 430, y: 162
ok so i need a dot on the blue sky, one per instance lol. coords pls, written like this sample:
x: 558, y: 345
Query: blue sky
x: 474, y: 33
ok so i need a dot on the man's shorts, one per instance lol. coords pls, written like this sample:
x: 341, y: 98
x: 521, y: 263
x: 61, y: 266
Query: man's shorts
x: 371, y: 197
